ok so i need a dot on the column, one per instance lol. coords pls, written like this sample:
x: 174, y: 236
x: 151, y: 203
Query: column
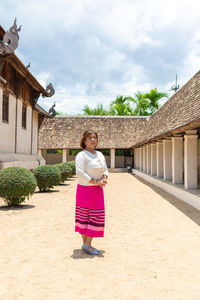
x: 190, y: 159
x: 135, y: 158
x: 177, y: 159
x: 144, y: 158
x: 112, y: 158
x: 45, y: 154
x: 167, y: 159
x: 153, y: 159
x: 141, y: 161
x: 149, y: 159
x: 64, y: 155
x: 159, y: 156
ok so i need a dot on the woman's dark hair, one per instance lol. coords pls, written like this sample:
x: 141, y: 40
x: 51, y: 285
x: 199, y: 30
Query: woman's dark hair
x: 85, y: 135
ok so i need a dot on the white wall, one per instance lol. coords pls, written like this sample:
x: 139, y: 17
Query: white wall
x: 7, y: 130
x: 24, y: 135
x: 35, y: 133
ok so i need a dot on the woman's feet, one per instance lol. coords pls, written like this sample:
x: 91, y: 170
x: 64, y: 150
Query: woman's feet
x: 90, y: 250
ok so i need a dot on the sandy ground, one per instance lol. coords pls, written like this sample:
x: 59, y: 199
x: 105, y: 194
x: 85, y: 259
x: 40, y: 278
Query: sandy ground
x: 151, y: 248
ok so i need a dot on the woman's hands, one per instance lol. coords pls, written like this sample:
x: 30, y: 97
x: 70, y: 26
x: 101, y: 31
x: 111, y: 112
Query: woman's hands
x: 101, y: 182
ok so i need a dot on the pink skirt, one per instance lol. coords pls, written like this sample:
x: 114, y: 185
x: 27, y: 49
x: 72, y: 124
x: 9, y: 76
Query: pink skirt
x: 90, y: 211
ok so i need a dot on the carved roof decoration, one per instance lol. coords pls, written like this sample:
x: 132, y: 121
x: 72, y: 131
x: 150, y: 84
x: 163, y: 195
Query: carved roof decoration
x: 17, y: 64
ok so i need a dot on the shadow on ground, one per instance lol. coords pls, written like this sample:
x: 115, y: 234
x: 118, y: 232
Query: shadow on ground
x: 188, y: 210
x: 16, y: 207
x: 80, y: 254
x: 45, y: 192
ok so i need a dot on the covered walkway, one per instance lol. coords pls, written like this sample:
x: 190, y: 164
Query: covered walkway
x: 151, y: 248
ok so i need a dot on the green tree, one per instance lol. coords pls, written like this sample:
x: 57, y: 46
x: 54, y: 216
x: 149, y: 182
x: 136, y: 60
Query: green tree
x: 154, y: 96
x: 121, y: 107
x: 140, y: 103
x: 98, y: 111
x: 147, y: 103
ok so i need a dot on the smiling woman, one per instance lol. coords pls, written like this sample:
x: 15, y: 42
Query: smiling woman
x: 92, y: 175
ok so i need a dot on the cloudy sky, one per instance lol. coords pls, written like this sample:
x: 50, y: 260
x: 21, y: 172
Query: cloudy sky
x: 94, y: 50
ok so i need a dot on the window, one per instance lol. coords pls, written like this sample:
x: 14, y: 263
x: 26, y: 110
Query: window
x: 24, y: 116
x: 5, y: 107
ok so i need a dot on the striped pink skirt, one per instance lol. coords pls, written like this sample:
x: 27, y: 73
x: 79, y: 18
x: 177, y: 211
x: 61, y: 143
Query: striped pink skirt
x: 90, y: 211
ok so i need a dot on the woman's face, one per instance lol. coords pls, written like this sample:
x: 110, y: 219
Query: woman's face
x: 91, y: 141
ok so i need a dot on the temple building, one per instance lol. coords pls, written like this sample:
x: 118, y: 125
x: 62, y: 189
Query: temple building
x: 165, y: 146
x: 20, y: 115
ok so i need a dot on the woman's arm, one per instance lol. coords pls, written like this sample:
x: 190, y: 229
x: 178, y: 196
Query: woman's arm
x: 80, y: 161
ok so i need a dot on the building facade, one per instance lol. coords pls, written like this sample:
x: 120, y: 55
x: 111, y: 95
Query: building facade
x: 20, y: 115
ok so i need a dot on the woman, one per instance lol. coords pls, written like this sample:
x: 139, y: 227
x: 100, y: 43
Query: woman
x: 92, y: 174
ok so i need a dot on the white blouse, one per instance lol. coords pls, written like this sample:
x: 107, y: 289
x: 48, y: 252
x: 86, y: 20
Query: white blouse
x: 90, y: 166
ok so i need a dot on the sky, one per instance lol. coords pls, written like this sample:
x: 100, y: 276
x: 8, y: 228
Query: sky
x: 94, y: 50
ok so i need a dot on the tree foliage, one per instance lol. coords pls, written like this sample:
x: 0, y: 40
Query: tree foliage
x: 141, y: 104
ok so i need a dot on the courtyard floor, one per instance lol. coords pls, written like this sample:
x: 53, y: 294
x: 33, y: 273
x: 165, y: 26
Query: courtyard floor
x: 151, y: 248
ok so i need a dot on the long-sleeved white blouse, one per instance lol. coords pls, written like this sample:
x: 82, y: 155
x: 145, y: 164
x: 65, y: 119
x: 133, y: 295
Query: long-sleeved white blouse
x: 90, y: 166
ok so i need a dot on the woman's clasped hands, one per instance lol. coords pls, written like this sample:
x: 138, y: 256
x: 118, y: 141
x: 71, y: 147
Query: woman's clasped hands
x: 102, y: 182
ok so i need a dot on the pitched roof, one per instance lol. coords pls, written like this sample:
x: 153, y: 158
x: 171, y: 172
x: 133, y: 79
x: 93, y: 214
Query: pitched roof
x: 114, y: 132
x: 179, y: 113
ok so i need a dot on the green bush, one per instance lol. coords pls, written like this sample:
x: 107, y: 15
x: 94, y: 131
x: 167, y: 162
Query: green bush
x: 71, y: 164
x: 47, y: 177
x: 16, y: 184
x: 65, y: 171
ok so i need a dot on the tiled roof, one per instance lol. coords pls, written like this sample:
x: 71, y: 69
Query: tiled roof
x: 66, y: 132
x: 180, y: 112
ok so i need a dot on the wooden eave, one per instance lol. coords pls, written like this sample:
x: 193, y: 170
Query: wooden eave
x: 21, y: 69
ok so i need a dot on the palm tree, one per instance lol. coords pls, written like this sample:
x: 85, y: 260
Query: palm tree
x: 140, y: 103
x: 120, y: 107
x: 98, y: 111
x: 154, y: 96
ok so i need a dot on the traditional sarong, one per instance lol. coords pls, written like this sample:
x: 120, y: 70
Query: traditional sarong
x: 90, y: 211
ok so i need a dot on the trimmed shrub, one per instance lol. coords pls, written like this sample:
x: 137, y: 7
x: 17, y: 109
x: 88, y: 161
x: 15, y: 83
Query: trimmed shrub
x: 16, y: 184
x: 69, y: 168
x: 47, y: 177
x: 65, y: 171
x: 71, y: 164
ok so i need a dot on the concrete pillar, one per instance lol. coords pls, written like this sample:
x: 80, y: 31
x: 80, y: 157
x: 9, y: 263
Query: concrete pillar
x: 159, y: 157
x: 39, y: 152
x: 144, y: 158
x: 141, y: 161
x: 44, y: 153
x: 153, y: 159
x: 135, y: 158
x: 177, y: 159
x: 149, y: 159
x: 190, y: 159
x: 167, y: 159
x: 112, y: 158
x: 64, y: 155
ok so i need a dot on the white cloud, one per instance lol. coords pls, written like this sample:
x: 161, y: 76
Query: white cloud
x: 105, y: 47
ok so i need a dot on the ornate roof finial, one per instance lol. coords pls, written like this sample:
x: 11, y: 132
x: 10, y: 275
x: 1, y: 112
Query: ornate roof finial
x: 10, y: 39
x: 52, y: 111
